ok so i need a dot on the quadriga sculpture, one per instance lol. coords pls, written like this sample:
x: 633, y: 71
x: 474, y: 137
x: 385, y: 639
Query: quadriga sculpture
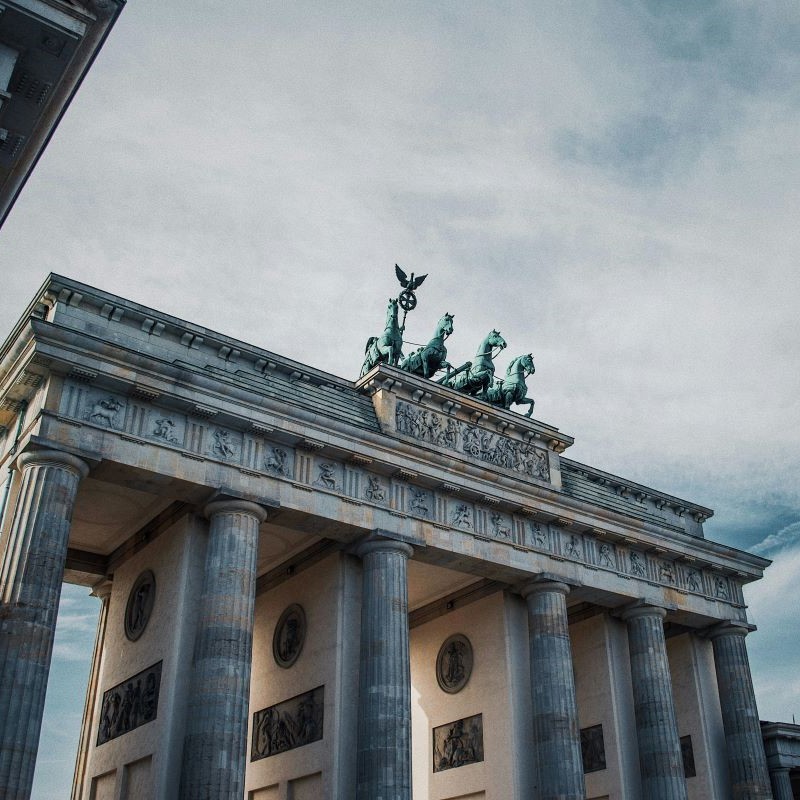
x: 475, y: 377
x: 428, y: 360
x: 388, y: 347
x: 512, y: 388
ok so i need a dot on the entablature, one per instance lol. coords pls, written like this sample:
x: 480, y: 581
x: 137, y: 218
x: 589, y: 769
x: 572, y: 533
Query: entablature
x: 481, y: 486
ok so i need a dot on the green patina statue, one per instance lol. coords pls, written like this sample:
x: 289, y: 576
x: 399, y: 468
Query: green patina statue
x: 388, y: 347
x: 512, y: 388
x: 428, y: 360
x: 475, y: 377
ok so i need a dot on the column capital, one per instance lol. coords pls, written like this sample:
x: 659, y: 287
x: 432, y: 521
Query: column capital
x: 375, y: 543
x: 234, y: 506
x: 641, y: 609
x: 102, y: 589
x: 544, y: 583
x: 54, y: 458
x: 729, y: 627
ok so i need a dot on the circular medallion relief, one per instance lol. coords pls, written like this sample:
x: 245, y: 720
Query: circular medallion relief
x: 454, y: 663
x: 140, y: 605
x: 290, y: 634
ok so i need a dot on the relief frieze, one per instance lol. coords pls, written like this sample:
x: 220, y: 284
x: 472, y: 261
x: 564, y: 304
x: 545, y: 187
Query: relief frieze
x: 129, y: 704
x: 444, y: 507
x: 493, y: 448
x: 458, y: 743
x: 107, y: 411
x: 287, y: 725
x: 277, y: 462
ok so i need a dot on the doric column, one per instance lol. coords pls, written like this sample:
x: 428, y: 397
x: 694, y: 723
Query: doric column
x: 384, y: 699
x: 781, y: 784
x: 31, y: 573
x: 747, y: 762
x: 660, y: 758
x: 556, y: 734
x: 102, y: 591
x: 215, y: 746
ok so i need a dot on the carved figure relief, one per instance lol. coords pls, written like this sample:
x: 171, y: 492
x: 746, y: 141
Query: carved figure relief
x: 538, y: 535
x: 458, y: 743
x: 573, y: 549
x: 327, y: 477
x: 129, y: 704
x: 292, y: 723
x: 374, y: 490
x: 720, y: 588
x: 605, y: 556
x: 289, y: 636
x: 277, y: 461
x: 462, y: 516
x: 165, y: 429
x: 454, y: 663
x: 593, y: 749
x: 693, y: 580
x: 496, y: 449
x: 141, y: 599
x: 638, y: 566
x: 419, y: 502
x: 222, y: 445
x: 666, y: 572
x: 105, y: 412
x: 500, y: 526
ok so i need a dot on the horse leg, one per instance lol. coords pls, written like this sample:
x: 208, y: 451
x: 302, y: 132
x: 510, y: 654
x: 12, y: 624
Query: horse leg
x: 530, y: 403
x: 426, y: 367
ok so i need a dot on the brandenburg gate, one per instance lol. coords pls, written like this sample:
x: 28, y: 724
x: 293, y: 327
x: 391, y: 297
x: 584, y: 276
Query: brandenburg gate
x: 317, y: 588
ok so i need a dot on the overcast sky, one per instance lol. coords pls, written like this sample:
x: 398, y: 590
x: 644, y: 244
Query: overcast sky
x: 614, y: 185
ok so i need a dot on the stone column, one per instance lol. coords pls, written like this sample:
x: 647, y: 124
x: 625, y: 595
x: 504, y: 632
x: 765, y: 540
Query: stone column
x: 102, y: 591
x: 781, y: 784
x: 31, y: 573
x: 660, y: 758
x: 747, y: 762
x: 556, y: 733
x: 215, y: 745
x: 384, y: 698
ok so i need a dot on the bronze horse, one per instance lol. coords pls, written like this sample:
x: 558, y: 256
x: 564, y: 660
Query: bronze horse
x: 512, y: 388
x: 428, y: 360
x: 388, y: 347
x: 475, y: 377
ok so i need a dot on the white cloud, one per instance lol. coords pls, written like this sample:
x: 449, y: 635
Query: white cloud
x: 776, y: 542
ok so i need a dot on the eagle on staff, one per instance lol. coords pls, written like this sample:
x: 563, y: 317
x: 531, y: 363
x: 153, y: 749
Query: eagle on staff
x: 407, y: 298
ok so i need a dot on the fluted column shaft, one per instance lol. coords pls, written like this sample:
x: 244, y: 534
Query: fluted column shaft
x: 215, y: 746
x: 103, y: 592
x: 781, y: 784
x: 384, y: 701
x: 31, y: 573
x: 747, y: 762
x: 660, y: 758
x: 556, y: 733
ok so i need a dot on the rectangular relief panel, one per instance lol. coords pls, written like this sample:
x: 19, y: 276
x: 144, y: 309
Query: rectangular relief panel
x: 687, y: 754
x: 129, y: 704
x: 458, y: 743
x: 289, y: 724
x: 593, y: 749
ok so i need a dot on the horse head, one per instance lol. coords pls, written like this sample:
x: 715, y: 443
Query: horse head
x: 445, y: 325
x: 494, y: 339
x: 526, y: 362
x: 391, y: 310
